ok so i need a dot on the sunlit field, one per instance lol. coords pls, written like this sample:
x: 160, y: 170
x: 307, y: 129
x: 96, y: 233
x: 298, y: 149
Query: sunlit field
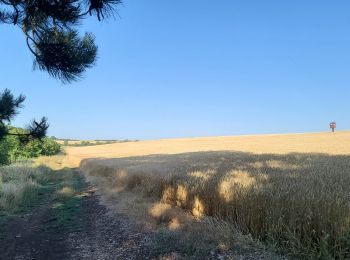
x: 290, y: 191
x: 328, y: 143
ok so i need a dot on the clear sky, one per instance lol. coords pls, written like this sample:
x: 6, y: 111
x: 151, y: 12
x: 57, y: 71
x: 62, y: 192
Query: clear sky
x: 197, y: 68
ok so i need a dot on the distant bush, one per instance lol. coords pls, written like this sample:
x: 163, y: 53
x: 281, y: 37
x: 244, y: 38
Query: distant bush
x: 50, y: 147
x: 11, y: 149
x: 85, y: 143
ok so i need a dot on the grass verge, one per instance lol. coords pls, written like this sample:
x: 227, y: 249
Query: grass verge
x: 67, y: 212
x: 22, y: 186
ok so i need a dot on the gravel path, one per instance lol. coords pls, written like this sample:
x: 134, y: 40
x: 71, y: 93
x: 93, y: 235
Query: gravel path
x: 107, y: 236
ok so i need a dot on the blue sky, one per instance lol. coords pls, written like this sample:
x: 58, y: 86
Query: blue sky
x: 197, y: 68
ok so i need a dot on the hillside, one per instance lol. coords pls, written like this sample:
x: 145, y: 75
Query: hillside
x: 328, y: 143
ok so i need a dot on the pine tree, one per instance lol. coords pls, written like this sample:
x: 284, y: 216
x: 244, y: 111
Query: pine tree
x: 50, y: 28
x: 9, y: 108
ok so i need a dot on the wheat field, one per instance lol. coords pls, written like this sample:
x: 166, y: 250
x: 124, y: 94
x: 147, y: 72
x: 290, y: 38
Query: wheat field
x: 328, y: 143
x: 292, y: 190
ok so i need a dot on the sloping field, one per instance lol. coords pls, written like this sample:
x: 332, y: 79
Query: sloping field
x: 328, y: 143
x: 291, y: 191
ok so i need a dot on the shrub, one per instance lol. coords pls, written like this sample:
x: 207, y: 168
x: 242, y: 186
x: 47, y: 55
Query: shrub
x: 11, y: 149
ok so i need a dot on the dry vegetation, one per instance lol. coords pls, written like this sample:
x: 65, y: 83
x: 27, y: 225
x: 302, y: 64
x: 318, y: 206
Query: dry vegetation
x: 23, y: 184
x: 20, y: 184
x: 291, y: 191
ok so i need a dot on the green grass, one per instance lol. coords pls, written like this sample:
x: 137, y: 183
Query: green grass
x: 67, y: 212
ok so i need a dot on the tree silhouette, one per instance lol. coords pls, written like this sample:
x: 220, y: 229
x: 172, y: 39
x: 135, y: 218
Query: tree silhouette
x: 9, y: 108
x: 50, y: 30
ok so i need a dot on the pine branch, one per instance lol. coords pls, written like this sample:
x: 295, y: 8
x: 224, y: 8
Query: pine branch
x: 50, y: 34
x: 9, y: 108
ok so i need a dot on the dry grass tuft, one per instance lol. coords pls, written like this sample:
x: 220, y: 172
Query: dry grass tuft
x: 65, y: 192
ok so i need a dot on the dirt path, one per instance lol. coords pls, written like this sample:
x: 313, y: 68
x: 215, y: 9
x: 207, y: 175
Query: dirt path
x: 95, y: 234
x: 79, y: 227
x: 107, y: 236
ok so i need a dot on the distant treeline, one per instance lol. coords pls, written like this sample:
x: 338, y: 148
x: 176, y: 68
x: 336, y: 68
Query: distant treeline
x: 95, y: 142
x: 86, y: 143
x: 11, y: 149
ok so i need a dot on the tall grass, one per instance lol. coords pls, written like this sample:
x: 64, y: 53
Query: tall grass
x: 20, y: 184
x: 299, y: 202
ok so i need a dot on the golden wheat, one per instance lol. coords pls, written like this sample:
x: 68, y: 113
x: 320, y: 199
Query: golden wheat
x: 289, y: 190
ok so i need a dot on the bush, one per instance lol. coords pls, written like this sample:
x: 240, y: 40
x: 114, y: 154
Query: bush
x: 11, y: 149
x: 4, y: 152
x: 50, y: 147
